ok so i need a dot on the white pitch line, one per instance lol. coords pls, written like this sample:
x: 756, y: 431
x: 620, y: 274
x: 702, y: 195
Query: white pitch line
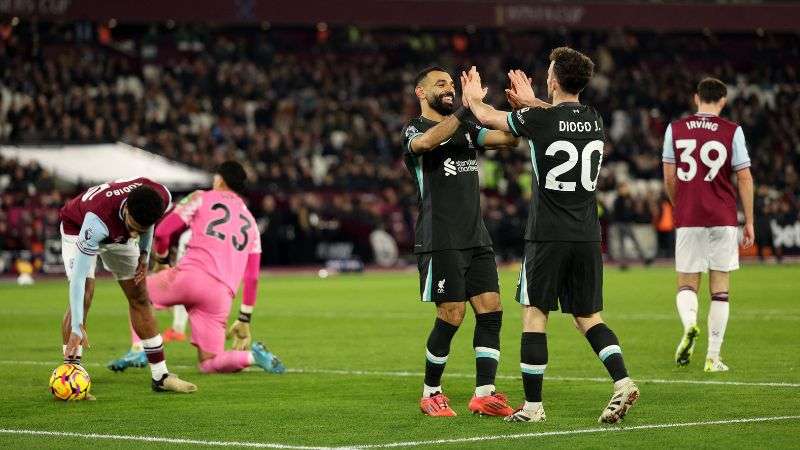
x: 162, y: 440
x: 498, y: 437
x: 548, y: 378
x: 656, y: 426
x: 405, y: 374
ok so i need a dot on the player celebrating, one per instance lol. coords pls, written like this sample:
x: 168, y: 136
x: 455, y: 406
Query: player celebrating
x: 701, y: 152
x: 106, y: 220
x: 454, y: 253
x: 224, y: 249
x: 563, y: 262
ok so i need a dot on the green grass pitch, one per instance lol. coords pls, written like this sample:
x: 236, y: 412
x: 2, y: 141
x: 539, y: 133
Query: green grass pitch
x: 355, y: 349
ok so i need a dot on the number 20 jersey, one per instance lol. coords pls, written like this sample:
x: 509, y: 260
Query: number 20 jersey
x: 224, y: 234
x: 707, y: 150
x: 566, y: 144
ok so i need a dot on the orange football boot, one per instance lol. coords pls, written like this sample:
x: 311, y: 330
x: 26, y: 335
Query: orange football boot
x: 491, y: 405
x: 436, y: 405
x: 170, y: 335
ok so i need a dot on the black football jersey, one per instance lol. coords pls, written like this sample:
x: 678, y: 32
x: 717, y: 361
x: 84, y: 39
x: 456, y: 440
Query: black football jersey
x: 566, y: 144
x: 448, y: 189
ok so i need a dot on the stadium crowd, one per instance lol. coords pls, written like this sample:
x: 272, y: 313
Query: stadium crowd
x: 316, y: 114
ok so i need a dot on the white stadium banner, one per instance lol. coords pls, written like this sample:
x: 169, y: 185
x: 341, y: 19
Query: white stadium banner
x: 92, y: 164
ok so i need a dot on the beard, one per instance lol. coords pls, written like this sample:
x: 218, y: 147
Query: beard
x: 440, y: 106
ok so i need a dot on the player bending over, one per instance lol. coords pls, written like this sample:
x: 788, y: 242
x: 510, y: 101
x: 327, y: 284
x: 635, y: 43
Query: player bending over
x: 563, y: 262
x: 701, y: 153
x: 106, y: 220
x: 223, y: 251
x: 454, y: 251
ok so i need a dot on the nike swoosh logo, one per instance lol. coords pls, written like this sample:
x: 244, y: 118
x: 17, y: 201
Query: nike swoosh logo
x: 445, y: 142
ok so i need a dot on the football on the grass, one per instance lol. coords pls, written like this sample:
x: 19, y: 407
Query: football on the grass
x: 70, y: 382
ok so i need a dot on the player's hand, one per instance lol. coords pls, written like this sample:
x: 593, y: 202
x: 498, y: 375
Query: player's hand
x: 240, y: 332
x: 472, y: 91
x: 749, y: 235
x: 513, y: 100
x: 464, y: 99
x: 161, y: 262
x: 74, y: 342
x: 520, y: 94
x: 141, y: 269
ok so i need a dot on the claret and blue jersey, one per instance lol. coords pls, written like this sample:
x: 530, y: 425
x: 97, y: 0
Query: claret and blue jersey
x: 707, y: 150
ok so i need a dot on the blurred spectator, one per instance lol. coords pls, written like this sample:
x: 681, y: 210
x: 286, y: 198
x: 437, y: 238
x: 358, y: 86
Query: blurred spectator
x: 625, y: 214
x: 317, y: 120
x: 665, y: 227
x: 765, y: 215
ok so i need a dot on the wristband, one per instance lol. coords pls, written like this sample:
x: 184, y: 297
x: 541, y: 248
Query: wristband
x: 462, y: 113
x: 244, y: 317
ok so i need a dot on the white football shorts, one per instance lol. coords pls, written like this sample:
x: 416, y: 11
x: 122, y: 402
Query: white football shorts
x: 119, y: 259
x: 698, y: 249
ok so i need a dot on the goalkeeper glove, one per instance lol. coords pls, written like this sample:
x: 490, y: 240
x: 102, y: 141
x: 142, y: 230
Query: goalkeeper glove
x: 240, y: 332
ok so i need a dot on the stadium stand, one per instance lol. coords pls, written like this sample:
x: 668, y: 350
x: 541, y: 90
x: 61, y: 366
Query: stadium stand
x: 315, y: 114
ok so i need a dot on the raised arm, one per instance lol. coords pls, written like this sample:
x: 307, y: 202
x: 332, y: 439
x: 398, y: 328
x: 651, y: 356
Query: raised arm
x: 473, y: 93
x: 429, y: 140
x: 520, y: 94
x: 496, y: 139
x: 490, y: 117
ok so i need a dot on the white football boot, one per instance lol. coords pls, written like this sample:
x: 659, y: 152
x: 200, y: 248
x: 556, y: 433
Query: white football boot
x: 524, y: 415
x: 622, y: 400
x: 715, y: 365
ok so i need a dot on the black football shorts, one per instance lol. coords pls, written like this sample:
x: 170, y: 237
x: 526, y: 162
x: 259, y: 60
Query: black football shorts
x: 457, y: 275
x: 565, y: 273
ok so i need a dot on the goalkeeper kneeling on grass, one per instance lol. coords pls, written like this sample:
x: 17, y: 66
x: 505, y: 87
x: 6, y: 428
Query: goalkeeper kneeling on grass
x: 223, y: 252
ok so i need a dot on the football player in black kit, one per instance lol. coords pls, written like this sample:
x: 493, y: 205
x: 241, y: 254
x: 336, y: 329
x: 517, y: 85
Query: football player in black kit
x: 563, y: 264
x: 454, y: 251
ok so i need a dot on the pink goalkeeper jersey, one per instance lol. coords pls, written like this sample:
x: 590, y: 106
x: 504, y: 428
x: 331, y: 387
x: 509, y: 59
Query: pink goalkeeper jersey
x: 224, y: 234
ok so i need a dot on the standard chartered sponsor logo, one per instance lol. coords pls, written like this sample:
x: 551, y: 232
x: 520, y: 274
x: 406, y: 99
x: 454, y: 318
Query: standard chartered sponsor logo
x: 449, y: 167
x: 452, y: 167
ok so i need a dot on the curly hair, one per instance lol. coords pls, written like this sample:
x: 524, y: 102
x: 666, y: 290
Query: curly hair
x: 572, y: 68
x: 145, y: 205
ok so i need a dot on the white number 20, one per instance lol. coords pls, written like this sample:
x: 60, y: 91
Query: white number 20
x: 93, y: 191
x: 714, y: 165
x: 551, y: 179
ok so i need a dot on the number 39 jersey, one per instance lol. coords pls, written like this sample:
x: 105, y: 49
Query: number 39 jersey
x: 224, y: 234
x: 566, y: 143
x: 706, y: 150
